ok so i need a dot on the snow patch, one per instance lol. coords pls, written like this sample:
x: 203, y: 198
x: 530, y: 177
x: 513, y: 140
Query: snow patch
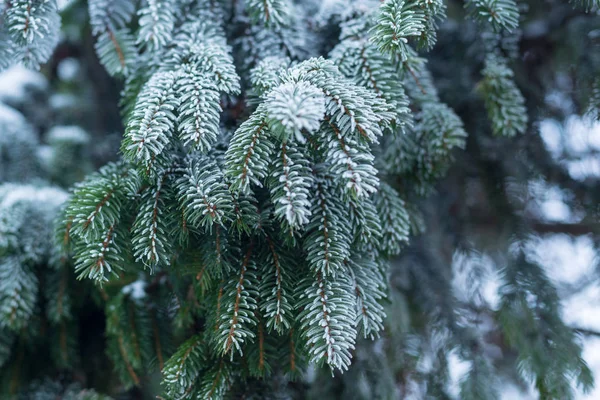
x: 60, y: 101
x: 575, y: 143
x: 550, y: 130
x: 47, y: 196
x: 9, y: 115
x: 566, y: 259
x: 136, y: 290
x: 68, y: 69
x: 15, y: 81
x: 72, y: 134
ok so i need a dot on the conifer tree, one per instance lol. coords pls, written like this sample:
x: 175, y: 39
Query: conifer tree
x: 268, y: 175
x: 39, y: 298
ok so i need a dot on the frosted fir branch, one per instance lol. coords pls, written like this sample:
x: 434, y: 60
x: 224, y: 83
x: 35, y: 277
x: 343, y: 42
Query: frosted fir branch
x: 441, y: 128
x: 201, y: 48
x: 276, y: 288
x: 297, y: 179
x: 116, y: 51
x: 150, y: 241
x: 33, y: 27
x: 157, y: 22
x: 354, y: 109
x: 366, y: 223
x: 99, y: 259
x: 96, y: 204
x: 398, y: 21
x: 183, y: 95
x: 289, y: 182
x: 150, y: 127
x: 184, y: 367
x: 369, y: 288
x: 500, y: 14
x: 327, y: 241
x: 202, y: 30
x: 18, y: 293
x: 271, y: 13
x: 327, y: 320
x: 199, y: 111
x: 424, y: 153
x: 216, y: 382
x: 434, y: 12
x: 30, y: 20
x: 503, y: 100
x: 214, y: 62
x: 245, y: 211
x: 360, y: 61
x: 265, y: 75
x: 238, y: 308
x: 394, y: 218
x: 204, y: 196
x: 249, y: 152
x: 352, y: 162
x: 110, y: 15
x: 291, y: 42
x: 417, y: 79
x: 294, y: 107
x: 8, y: 50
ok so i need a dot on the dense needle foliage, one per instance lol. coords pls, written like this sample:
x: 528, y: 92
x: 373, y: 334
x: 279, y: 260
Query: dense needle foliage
x: 273, y: 161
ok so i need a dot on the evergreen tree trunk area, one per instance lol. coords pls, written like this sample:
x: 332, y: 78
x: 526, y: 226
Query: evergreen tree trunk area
x: 299, y: 199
